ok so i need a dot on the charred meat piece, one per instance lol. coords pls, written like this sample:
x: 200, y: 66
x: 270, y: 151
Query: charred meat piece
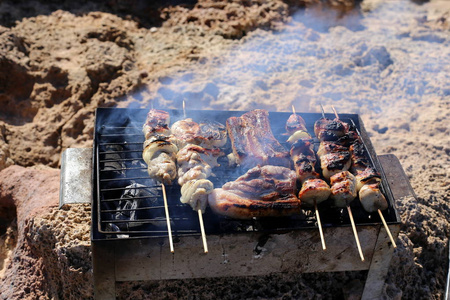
x: 368, y: 180
x: 267, y: 191
x: 253, y: 142
x: 334, y: 162
x: 157, y: 122
x: 314, y: 191
x: 295, y: 123
x: 343, y: 188
x: 208, y: 134
x: 326, y: 147
x: 329, y: 130
x: 214, y: 134
x: 304, y: 158
x: 185, y: 132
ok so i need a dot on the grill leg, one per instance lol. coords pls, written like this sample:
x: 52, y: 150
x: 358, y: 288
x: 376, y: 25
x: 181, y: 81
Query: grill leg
x: 103, y: 260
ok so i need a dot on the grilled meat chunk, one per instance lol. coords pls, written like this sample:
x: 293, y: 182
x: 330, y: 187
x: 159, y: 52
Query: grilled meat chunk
x: 195, y: 193
x: 159, y: 154
x: 208, y: 134
x: 343, y: 188
x: 195, y: 164
x: 157, y: 123
x: 295, y: 123
x: 335, y: 162
x: 329, y: 130
x: 371, y: 198
x: 314, y: 191
x: 185, y: 132
x: 253, y: 142
x: 267, y: 191
x: 214, y: 134
x: 304, y: 158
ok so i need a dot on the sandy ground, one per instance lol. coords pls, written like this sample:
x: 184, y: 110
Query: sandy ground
x: 388, y: 61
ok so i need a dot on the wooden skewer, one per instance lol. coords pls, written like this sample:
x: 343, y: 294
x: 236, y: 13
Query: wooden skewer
x: 323, y: 111
x: 202, y: 228
x: 335, y: 112
x: 379, y: 211
x: 200, y: 214
x: 387, y: 228
x: 319, y: 224
x: 355, y: 232
x: 166, y: 208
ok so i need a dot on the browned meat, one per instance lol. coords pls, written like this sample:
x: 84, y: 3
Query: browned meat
x: 208, y: 134
x: 334, y: 162
x: 304, y: 158
x: 185, y: 132
x: 214, y: 134
x: 368, y: 180
x: 326, y: 147
x: 329, y: 130
x: 159, y: 152
x: 160, y: 155
x: 195, y: 162
x: 314, y: 191
x: 195, y: 165
x: 295, y: 123
x: 267, y: 191
x: 157, y: 122
x: 253, y: 142
x: 343, y: 188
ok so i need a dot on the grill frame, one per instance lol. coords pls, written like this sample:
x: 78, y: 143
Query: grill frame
x: 135, y: 118
x: 256, y: 252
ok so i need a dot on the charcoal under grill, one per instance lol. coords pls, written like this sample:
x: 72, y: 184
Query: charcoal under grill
x: 129, y: 229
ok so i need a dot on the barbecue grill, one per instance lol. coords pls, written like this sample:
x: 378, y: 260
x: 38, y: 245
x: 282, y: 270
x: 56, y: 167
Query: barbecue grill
x: 129, y: 230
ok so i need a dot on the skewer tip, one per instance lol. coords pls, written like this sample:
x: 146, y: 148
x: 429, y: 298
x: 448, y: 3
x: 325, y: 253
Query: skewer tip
x: 323, y: 111
x: 387, y: 229
x: 293, y: 109
x: 335, y: 112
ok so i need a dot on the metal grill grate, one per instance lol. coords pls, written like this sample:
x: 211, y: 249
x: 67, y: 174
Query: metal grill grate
x: 128, y: 204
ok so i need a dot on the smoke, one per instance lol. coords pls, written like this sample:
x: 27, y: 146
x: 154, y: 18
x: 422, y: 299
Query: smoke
x: 360, y: 62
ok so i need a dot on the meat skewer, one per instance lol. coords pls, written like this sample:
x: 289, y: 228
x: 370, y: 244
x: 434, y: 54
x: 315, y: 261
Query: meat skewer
x: 159, y: 154
x: 343, y: 183
x: 368, y: 180
x: 314, y: 190
x: 195, y: 161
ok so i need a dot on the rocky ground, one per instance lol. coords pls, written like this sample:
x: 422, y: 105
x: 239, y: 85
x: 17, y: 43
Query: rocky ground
x: 387, y: 60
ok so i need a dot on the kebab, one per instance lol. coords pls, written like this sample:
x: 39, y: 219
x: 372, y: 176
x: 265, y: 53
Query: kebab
x: 335, y: 162
x: 195, y: 162
x: 160, y: 154
x: 314, y: 190
x: 368, y: 180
